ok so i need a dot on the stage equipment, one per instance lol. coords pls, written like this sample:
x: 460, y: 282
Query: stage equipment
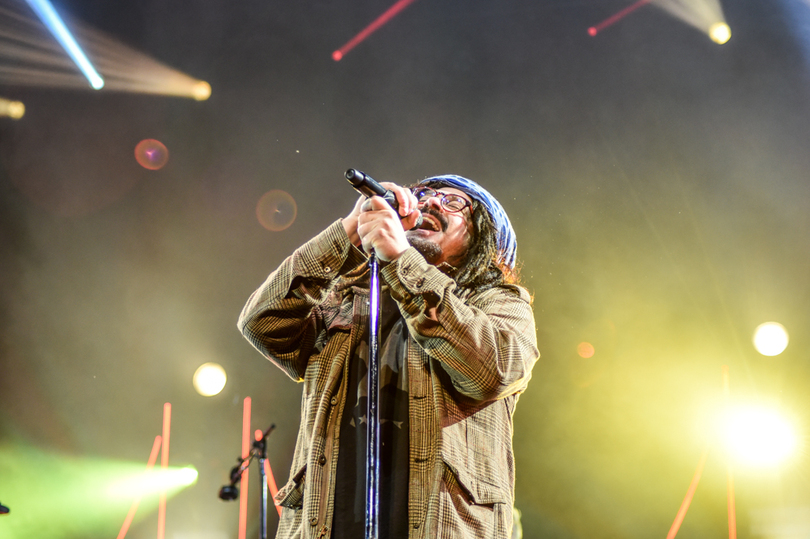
x: 230, y: 491
x: 365, y: 185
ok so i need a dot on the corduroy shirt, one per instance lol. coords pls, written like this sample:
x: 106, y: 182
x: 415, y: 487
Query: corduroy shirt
x: 469, y: 357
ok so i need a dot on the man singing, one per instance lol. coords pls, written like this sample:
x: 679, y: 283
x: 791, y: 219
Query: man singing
x: 456, y: 348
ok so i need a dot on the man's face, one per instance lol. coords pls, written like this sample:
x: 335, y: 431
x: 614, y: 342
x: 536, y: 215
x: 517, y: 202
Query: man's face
x: 444, y: 235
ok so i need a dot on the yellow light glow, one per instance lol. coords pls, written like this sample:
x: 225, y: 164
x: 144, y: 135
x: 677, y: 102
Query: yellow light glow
x: 13, y: 109
x: 758, y: 436
x: 201, y: 91
x: 209, y: 379
x: 770, y: 339
x: 153, y: 482
x: 720, y: 33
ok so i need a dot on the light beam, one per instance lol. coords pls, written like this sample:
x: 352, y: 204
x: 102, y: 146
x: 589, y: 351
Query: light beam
x: 389, y: 14
x: 31, y: 57
x: 705, y: 15
x: 54, y: 23
x: 613, y: 19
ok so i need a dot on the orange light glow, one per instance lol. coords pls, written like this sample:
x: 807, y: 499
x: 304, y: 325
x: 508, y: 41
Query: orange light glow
x: 585, y: 349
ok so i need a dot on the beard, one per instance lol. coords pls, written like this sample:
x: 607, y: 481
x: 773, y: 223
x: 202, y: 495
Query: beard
x: 429, y: 249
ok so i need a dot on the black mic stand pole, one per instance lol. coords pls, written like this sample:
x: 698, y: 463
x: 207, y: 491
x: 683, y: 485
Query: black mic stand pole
x: 260, y: 447
x: 373, y: 412
x: 231, y: 491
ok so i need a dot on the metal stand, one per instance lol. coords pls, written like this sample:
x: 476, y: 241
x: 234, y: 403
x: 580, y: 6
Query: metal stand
x: 373, y: 412
x: 230, y: 491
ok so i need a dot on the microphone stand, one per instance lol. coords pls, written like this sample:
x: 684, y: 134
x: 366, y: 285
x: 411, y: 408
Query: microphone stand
x: 367, y: 186
x: 373, y: 412
x: 230, y: 491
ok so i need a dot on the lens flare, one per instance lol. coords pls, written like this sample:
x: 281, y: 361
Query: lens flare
x: 770, y: 339
x: 758, y: 436
x: 209, y: 379
x: 151, y: 154
x: 585, y: 349
x: 276, y: 210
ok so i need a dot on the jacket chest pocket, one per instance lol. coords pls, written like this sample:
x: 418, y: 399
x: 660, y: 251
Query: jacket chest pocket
x: 292, y: 494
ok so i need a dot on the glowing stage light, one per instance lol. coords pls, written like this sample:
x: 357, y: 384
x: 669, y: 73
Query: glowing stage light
x: 51, y: 19
x: 201, y: 91
x: 65, y: 496
x: 153, y: 482
x: 389, y: 14
x: 585, y: 350
x: 705, y: 15
x: 32, y: 58
x: 758, y: 436
x: 151, y: 154
x: 720, y: 33
x: 276, y: 210
x: 13, y: 109
x: 209, y: 379
x: 770, y: 339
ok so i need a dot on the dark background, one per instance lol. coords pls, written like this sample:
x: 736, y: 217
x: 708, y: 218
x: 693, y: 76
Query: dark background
x: 657, y: 181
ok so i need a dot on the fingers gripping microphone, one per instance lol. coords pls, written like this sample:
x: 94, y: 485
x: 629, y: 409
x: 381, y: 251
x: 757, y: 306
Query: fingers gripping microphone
x: 366, y: 185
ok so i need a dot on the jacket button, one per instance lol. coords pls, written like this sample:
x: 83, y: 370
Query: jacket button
x: 333, y: 401
x: 420, y: 282
x: 313, y: 521
x: 322, y: 460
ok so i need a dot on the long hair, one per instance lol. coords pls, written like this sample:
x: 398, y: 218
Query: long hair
x: 482, y: 268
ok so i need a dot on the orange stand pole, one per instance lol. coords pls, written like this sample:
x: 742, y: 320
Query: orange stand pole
x: 149, y: 465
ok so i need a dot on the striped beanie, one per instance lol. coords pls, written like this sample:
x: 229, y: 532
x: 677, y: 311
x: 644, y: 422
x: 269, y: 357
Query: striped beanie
x: 507, y: 242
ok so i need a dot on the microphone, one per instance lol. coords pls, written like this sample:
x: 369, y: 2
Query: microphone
x: 368, y: 186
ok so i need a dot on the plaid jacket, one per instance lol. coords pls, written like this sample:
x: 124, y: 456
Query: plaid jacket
x: 468, y: 359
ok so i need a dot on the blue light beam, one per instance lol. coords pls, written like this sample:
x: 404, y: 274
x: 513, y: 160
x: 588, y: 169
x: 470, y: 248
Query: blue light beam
x: 45, y: 11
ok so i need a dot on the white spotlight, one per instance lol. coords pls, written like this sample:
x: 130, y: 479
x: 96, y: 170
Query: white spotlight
x: 770, y: 339
x: 209, y: 379
x: 720, y: 33
x: 759, y: 436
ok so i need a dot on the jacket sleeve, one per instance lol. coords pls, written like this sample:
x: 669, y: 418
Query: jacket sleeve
x: 486, y: 344
x: 282, y: 319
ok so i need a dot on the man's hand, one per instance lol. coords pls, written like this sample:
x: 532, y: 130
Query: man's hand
x: 376, y: 226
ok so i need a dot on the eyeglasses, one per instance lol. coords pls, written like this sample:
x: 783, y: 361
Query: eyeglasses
x: 450, y: 202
